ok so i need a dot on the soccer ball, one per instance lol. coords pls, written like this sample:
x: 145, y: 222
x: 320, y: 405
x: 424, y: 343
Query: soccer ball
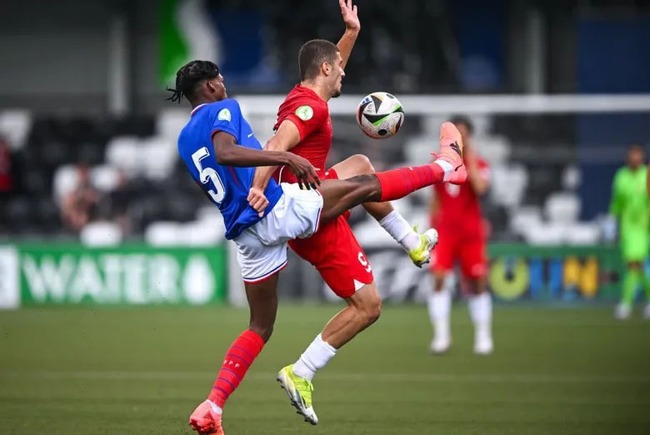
x: 380, y: 115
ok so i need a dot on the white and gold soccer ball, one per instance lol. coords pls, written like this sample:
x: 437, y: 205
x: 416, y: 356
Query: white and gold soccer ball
x: 380, y: 115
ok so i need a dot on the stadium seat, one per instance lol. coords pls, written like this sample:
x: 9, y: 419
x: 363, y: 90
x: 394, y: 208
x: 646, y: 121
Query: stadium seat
x: 101, y: 233
x: 545, y: 234
x: 524, y: 218
x: 202, y: 233
x: 105, y: 177
x: 91, y: 153
x: 508, y: 184
x: 169, y: 122
x: 571, y: 178
x: 15, y: 125
x: 494, y: 149
x: 164, y: 233
x: 418, y: 150
x: 583, y: 233
x: 36, y: 181
x: 562, y: 207
x: 65, y: 181
x: 208, y: 213
x: 56, y: 153
x: 47, y: 214
x: 125, y: 152
x: 19, y: 211
x: 166, y: 155
x: 370, y: 235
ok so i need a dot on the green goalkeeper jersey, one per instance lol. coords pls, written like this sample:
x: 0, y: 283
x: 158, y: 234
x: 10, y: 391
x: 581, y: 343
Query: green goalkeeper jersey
x: 630, y: 203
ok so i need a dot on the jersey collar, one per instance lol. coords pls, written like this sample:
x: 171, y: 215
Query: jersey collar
x: 197, y: 108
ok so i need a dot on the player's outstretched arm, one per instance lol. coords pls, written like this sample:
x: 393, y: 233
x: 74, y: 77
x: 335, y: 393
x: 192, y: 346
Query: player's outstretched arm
x: 349, y: 13
x: 285, y: 138
x: 228, y: 153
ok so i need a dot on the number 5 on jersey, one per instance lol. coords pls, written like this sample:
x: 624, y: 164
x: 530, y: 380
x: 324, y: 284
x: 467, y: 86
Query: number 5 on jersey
x: 209, y: 174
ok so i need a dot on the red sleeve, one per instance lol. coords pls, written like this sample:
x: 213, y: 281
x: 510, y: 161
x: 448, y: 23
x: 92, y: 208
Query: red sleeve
x: 308, y: 117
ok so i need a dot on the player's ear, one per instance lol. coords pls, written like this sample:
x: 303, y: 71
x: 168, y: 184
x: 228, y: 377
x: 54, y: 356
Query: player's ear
x: 326, y: 68
x: 210, y: 87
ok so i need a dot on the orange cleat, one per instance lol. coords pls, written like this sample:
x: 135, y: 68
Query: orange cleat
x: 451, y: 151
x: 206, y: 419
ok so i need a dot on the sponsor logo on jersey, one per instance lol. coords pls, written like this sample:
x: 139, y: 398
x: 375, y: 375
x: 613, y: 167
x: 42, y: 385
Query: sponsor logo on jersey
x: 305, y: 113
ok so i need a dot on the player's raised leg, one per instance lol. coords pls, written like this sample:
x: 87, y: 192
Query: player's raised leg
x: 342, y: 195
x: 417, y: 245
x: 263, y: 303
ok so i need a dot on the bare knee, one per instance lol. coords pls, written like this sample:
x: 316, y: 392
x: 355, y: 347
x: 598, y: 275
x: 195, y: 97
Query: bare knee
x: 370, y: 311
x: 358, y: 164
x: 362, y: 164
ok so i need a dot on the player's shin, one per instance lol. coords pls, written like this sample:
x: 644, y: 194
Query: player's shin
x: 439, y: 307
x: 630, y: 283
x: 398, y: 228
x: 646, y: 286
x: 480, y: 310
x: 398, y: 183
x: 317, y: 355
x: 237, y: 360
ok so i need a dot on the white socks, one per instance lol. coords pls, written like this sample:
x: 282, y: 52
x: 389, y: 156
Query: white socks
x: 446, y: 167
x: 480, y: 311
x: 439, y: 304
x: 400, y: 230
x: 315, y: 357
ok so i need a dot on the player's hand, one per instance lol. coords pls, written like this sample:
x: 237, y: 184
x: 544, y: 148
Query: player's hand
x: 257, y: 200
x: 350, y: 15
x: 303, y: 170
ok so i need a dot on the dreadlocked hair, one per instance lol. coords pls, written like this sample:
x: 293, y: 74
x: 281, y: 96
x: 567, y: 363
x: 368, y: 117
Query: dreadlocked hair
x: 189, y: 76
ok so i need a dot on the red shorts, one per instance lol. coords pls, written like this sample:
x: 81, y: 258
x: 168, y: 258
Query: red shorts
x: 468, y: 249
x: 336, y: 254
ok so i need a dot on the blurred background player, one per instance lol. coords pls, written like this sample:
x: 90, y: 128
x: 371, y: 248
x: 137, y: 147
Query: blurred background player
x: 630, y: 207
x: 304, y: 127
x: 456, y: 213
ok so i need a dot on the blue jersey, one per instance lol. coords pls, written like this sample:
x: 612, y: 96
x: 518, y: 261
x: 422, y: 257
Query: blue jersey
x: 227, y: 186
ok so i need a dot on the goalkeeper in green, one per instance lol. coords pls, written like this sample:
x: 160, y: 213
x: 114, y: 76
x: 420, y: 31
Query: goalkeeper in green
x: 631, y: 207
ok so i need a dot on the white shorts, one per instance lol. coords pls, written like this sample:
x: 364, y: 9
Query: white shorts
x: 262, y: 248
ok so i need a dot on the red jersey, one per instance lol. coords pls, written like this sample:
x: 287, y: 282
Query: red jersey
x: 459, y: 207
x: 311, y: 115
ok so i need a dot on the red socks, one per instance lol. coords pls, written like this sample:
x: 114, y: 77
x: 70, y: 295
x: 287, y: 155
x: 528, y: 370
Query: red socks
x: 238, y: 359
x: 398, y: 183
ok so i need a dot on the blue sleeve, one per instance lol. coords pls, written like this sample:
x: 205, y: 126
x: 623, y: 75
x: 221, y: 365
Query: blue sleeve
x: 227, y: 118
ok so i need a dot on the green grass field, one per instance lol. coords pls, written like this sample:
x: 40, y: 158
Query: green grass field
x: 142, y: 371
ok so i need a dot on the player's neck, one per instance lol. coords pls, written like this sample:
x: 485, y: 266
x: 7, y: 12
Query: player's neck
x: 317, y: 88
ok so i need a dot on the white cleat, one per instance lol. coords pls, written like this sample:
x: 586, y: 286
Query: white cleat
x: 623, y: 311
x: 483, y: 346
x: 440, y: 345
